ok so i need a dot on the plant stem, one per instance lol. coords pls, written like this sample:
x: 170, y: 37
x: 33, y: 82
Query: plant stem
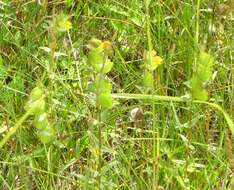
x: 175, y: 99
x: 99, y: 150
x: 156, y: 142
x: 13, y: 130
x: 197, y: 23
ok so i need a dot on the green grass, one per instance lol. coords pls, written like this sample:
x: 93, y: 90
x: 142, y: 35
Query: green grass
x: 155, y: 137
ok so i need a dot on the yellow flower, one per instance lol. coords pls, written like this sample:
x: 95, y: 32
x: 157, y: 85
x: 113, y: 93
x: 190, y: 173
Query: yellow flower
x: 63, y: 24
x: 106, y: 45
x: 156, y: 60
x: 152, y: 61
x: 94, y: 43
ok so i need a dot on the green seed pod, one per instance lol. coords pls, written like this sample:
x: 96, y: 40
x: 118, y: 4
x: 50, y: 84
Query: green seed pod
x: 37, y: 107
x: 41, y: 121
x: 36, y: 93
x: 46, y: 134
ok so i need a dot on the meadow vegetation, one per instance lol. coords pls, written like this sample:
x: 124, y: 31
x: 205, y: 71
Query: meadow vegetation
x: 116, y: 94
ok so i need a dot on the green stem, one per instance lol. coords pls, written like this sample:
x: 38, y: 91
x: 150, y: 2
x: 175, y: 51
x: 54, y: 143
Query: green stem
x: 13, y: 130
x: 156, y: 142
x: 176, y: 99
x: 99, y: 151
x: 197, y: 23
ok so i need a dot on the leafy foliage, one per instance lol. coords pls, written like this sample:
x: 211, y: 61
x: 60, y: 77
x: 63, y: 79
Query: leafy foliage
x: 36, y: 105
x: 151, y: 63
x: 201, y: 76
x: 155, y: 139
x: 98, y: 58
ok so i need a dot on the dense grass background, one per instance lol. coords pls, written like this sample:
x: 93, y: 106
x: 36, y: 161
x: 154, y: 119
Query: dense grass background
x: 145, y: 144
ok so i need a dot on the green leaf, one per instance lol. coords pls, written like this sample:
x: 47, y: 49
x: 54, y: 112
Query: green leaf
x: 202, y: 74
x: 96, y: 57
x: 200, y: 94
x: 105, y: 100
x: 204, y: 67
x: 107, y: 67
x: 147, y: 3
x: 81, y: 144
x: 103, y: 68
x: 3, y: 70
x: 197, y: 90
x: 148, y: 79
x: 102, y: 85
